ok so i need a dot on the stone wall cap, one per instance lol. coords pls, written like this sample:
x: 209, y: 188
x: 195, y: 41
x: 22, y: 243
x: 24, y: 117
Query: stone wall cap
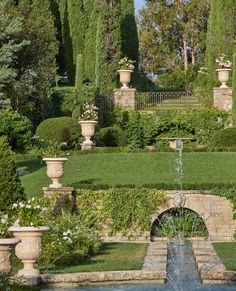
x: 125, y: 90
x: 62, y: 189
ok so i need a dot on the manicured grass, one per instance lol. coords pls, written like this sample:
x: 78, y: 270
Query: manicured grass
x: 227, y: 253
x: 135, y: 168
x: 113, y: 257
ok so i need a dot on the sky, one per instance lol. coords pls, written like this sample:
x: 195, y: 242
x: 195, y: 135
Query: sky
x: 138, y: 4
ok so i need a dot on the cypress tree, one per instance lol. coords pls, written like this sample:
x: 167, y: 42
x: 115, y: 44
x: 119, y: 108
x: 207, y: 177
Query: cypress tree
x: 77, y: 23
x: 67, y: 41
x: 129, y: 32
x: 90, y: 45
x: 108, y: 44
x: 10, y: 186
x: 234, y: 90
x: 79, y: 72
x: 220, y: 33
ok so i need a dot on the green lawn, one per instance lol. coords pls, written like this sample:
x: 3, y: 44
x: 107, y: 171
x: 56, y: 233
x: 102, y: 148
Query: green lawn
x: 113, y: 257
x: 227, y: 253
x: 134, y: 168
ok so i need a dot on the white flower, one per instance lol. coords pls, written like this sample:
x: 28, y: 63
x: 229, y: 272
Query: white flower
x: 21, y: 204
x: 28, y: 206
x: 14, y: 205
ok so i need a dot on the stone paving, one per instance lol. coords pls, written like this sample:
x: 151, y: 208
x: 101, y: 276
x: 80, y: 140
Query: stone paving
x: 209, y: 265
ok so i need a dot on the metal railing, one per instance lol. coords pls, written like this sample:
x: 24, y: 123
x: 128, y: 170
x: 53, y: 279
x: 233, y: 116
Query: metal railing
x: 148, y: 100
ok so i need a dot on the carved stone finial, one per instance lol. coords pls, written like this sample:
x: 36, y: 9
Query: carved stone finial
x: 179, y: 200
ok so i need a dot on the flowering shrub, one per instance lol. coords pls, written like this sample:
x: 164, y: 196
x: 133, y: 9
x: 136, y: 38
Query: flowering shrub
x: 203, y: 70
x: 222, y: 62
x: 53, y: 150
x: 90, y: 112
x: 68, y: 241
x: 5, y: 223
x: 33, y: 212
x: 126, y: 64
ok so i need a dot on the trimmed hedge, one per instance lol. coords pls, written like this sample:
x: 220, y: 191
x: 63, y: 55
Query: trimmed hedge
x: 60, y: 130
x: 224, y: 138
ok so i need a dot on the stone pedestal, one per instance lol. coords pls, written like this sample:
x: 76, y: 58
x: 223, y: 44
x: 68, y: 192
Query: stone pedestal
x: 125, y: 98
x: 223, y: 98
x: 64, y: 196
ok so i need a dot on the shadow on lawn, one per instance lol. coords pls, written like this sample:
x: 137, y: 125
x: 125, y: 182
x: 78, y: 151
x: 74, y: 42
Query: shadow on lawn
x: 30, y: 166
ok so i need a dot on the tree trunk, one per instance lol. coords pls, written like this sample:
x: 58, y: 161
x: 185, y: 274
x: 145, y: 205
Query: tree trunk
x: 185, y: 52
x: 193, y: 55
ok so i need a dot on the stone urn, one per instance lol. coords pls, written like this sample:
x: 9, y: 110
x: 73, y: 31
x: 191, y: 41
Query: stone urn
x: 223, y: 76
x: 88, y: 131
x: 55, y: 170
x: 29, y: 249
x: 125, y: 76
x: 7, y: 245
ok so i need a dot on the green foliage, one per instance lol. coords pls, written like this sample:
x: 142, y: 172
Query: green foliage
x: 68, y: 241
x: 17, y: 128
x: 179, y: 220
x: 77, y: 24
x: 79, y: 78
x: 111, y: 137
x: 36, y: 63
x: 122, y: 209
x: 134, y: 130
x: 145, y: 128
x: 234, y: 90
x: 220, y: 33
x: 224, y: 138
x: 10, y: 186
x: 227, y: 192
x: 61, y: 130
x: 10, y: 46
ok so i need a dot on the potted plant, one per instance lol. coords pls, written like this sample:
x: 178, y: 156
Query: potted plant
x: 53, y: 156
x: 126, y: 67
x: 87, y: 122
x: 223, y: 71
x: 30, y: 217
x: 7, y: 243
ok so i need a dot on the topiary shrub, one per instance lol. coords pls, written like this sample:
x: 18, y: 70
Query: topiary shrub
x: 17, y: 129
x: 111, y: 137
x: 10, y: 186
x: 224, y: 138
x: 60, y: 129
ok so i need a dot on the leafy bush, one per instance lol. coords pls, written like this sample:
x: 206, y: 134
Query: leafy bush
x: 68, y: 241
x: 122, y: 209
x: 10, y: 186
x: 134, y: 130
x: 111, y: 137
x: 61, y: 130
x: 17, y: 128
x: 224, y: 138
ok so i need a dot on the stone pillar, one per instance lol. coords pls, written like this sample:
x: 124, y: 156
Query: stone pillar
x: 223, y: 98
x: 65, y: 196
x: 125, y: 98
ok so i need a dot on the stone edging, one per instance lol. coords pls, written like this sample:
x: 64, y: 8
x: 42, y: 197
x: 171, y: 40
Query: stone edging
x: 209, y: 265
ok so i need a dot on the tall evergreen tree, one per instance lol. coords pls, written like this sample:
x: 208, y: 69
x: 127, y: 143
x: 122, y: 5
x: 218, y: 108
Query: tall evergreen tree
x: 90, y: 44
x: 220, y: 32
x: 129, y: 32
x: 234, y: 91
x: 77, y: 23
x: 108, y: 44
x: 9, y: 47
x: 79, y: 72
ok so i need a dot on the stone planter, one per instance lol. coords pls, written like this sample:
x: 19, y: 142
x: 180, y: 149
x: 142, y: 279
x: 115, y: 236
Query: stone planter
x: 125, y: 76
x: 7, y: 245
x: 29, y: 249
x: 55, y: 170
x: 88, y: 131
x: 223, y: 76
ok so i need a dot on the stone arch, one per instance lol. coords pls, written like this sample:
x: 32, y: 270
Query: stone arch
x: 215, y: 211
x: 170, y: 210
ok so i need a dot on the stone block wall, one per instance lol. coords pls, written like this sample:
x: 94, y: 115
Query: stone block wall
x: 223, y: 98
x: 125, y: 98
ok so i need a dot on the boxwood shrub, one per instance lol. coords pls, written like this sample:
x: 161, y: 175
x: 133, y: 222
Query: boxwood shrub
x: 60, y: 130
x: 224, y: 138
x: 111, y: 137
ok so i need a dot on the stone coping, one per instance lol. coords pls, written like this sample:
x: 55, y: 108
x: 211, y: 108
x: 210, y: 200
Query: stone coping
x: 110, y: 277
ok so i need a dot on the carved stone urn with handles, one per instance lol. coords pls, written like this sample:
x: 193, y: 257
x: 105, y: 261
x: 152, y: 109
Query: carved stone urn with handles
x: 223, y: 76
x: 125, y: 76
x: 55, y: 170
x: 88, y: 131
x: 7, y: 246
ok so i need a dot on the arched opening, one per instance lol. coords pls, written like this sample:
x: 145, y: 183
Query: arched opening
x: 179, y: 220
